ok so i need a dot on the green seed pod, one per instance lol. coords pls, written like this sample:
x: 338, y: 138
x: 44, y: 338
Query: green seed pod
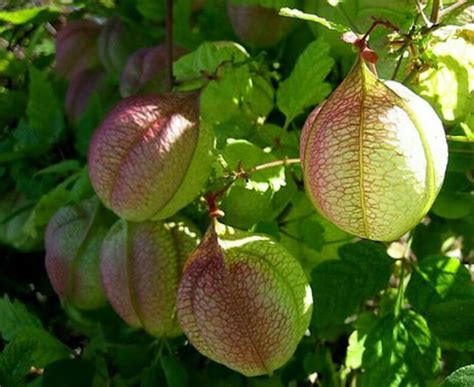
x: 141, y: 266
x: 374, y: 156
x: 244, y: 301
x: 150, y: 157
x: 73, y: 238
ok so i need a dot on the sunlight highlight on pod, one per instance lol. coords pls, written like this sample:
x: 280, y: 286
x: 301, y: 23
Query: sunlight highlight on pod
x: 374, y: 156
x: 244, y: 301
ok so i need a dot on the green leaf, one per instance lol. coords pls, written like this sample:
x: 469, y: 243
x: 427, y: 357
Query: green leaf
x: 12, y: 106
x: 305, y: 86
x: 175, y: 373
x: 313, y: 18
x: 434, y: 278
x: 275, y: 4
x: 207, y: 58
x: 308, y: 236
x: 342, y: 285
x: 31, y: 347
x: 453, y: 323
x: 30, y: 15
x: 60, y: 168
x: 45, y: 119
x: 399, y: 352
x: 463, y: 377
x: 14, y: 317
x: 74, y: 188
x: 262, y: 195
x: 69, y: 372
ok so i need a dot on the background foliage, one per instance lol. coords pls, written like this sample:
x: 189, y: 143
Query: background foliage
x: 379, y: 320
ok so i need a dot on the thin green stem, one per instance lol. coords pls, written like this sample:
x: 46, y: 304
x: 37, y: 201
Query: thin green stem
x: 403, y: 278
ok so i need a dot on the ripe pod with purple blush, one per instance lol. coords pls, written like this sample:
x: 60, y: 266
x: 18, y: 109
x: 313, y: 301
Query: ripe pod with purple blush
x: 145, y: 70
x: 73, y: 239
x: 76, y: 47
x: 141, y: 265
x: 259, y: 26
x: 244, y: 301
x: 116, y: 43
x: 150, y: 157
x: 80, y: 90
x: 374, y: 156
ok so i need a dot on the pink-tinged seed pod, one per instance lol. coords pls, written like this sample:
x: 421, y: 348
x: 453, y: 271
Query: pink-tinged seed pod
x: 244, y: 301
x: 80, y: 90
x: 259, y: 26
x: 73, y: 239
x: 116, y: 43
x: 141, y: 265
x: 374, y: 156
x: 149, y: 158
x: 145, y: 70
x: 76, y: 47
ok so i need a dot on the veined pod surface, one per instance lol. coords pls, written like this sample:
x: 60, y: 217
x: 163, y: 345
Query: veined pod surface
x: 76, y: 47
x: 374, y: 156
x: 73, y: 239
x: 150, y: 157
x: 145, y: 70
x: 141, y: 266
x: 244, y: 301
x: 259, y: 26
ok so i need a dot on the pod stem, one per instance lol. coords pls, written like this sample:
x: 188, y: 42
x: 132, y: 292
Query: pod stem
x: 169, y: 44
x: 212, y: 198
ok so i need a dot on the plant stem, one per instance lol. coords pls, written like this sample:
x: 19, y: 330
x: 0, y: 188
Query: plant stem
x: 453, y: 7
x: 435, y: 11
x: 272, y: 164
x: 169, y: 44
x: 211, y: 198
x: 459, y: 138
x: 403, y: 278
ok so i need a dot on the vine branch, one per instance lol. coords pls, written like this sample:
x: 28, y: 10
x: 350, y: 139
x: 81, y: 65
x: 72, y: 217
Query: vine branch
x: 211, y: 198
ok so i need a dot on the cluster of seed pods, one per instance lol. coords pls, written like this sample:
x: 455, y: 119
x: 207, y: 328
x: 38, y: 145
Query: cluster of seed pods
x: 373, y: 157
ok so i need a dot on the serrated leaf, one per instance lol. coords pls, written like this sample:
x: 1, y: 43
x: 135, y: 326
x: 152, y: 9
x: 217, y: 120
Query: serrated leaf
x: 72, y: 189
x: 434, y: 278
x: 45, y: 119
x: 305, y: 86
x: 463, y: 377
x: 31, y: 347
x: 13, y: 317
x: 207, y: 57
x: 363, y: 271
x: 399, y: 352
x: 453, y: 323
x: 60, y: 168
x: 30, y: 15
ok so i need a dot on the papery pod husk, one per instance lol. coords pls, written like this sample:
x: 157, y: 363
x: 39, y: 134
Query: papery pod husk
x: 73, y: 239
x: 76, y: 47
x: 141, y: 265
x: 80, y: 90
x: 374, y: 156
x: 116, y: 42
x: 259, y: 26
x: 244, y: 301
x: 150, y: 157
x: 145, y: 70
